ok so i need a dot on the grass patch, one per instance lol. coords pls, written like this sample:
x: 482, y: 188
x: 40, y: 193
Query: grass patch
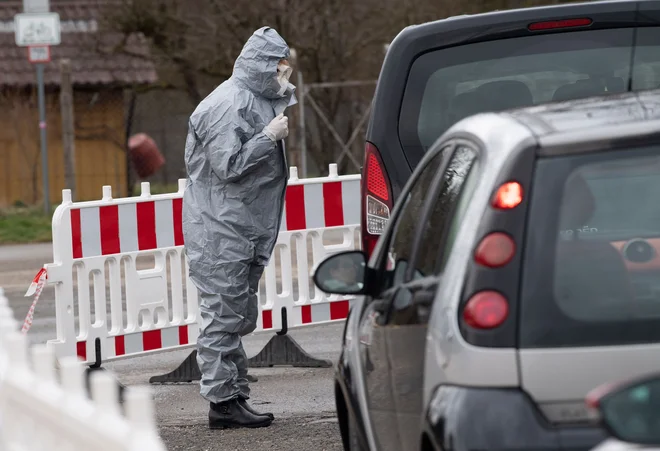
x: 20, y: 225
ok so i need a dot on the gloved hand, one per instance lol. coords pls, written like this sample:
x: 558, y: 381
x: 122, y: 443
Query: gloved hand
x: 278, y: 128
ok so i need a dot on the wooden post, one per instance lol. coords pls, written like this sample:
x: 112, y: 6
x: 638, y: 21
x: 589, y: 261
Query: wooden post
x: 68, y: 132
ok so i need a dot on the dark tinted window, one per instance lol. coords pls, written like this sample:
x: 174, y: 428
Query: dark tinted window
x: 591, y: 272
x: 447, y: 85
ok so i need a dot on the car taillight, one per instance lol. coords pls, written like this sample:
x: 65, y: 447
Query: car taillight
x: 486, y: 310
x: 509, y: 195
x: 376, y: 198
x: 495, y: 250
x: 555, y: 24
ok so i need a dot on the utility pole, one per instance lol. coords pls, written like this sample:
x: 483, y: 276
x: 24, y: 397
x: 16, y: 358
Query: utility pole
x: 68, y: 133
x: 36, y: 16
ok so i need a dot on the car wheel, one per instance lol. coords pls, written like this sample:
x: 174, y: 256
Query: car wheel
x: 353, y: 440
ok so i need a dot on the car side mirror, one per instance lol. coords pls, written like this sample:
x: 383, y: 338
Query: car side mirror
x: 630, y: 411
x: 342, y: 273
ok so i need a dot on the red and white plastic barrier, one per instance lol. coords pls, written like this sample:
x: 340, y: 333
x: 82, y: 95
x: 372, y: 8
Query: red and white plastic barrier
x: 106, y: 298
x: 40, y: 411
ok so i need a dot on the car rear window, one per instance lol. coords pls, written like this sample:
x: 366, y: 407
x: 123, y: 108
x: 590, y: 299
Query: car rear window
x: 450, y: 84
x: 591, y: 273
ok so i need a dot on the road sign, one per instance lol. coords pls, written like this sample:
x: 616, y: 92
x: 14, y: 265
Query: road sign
x: 39, y: 53
x: 37, y: 29
x: 36, y: 6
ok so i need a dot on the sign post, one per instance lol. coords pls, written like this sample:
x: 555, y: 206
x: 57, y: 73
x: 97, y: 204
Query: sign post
x: 37, y: 29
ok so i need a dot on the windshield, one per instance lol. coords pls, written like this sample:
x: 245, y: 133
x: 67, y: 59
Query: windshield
x: 448, y: 85
x: 591, y: 274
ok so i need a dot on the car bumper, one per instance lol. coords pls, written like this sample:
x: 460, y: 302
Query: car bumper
x: 481, y: 419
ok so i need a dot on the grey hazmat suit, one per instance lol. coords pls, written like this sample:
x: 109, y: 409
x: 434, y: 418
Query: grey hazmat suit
x: 232, y: 207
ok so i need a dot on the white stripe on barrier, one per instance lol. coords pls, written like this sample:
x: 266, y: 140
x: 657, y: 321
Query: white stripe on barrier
x: 128, y: 239
x: 164, y: 223
x: 147, y: 310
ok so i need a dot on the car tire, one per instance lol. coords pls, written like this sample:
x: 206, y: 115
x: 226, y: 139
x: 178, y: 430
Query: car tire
x: 353, y: 440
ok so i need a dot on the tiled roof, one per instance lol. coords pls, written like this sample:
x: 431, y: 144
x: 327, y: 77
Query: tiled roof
x: 92, y: 61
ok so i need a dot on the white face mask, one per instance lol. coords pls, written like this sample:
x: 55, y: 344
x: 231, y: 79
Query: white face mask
x: 283, y: 74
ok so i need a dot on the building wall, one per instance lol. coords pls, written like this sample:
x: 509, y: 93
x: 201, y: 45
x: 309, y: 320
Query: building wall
x: 100, y: 158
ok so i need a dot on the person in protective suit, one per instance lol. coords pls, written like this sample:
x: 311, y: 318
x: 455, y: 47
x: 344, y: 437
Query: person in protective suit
x: 232, y: 208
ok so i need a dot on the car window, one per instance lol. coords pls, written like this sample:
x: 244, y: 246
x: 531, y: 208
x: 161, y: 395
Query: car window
x: 634, y: 413
x: 467, y: 170
x: 402, y: 238
x: 445, y: 211
x: 450, y: 84
x: 591, y: 275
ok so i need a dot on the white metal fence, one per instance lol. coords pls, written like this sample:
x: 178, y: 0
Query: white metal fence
x: 41, y: 410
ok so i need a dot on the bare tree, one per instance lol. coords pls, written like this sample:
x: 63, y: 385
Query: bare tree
x: 195, y: 43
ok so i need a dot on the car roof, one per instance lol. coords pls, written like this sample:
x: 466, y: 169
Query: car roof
x: 497, y: 17
x: 529, y: 14
x: 591, y: 124
x: 590, y: 113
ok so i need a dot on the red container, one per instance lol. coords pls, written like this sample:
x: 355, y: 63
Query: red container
x: 145, y: 155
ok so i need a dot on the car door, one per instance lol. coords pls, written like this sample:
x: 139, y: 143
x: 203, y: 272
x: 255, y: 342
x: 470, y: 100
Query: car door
x: 406, y: 322
x: 376, y: 368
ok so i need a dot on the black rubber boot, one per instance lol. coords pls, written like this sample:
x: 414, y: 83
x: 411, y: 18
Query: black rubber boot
x: 231, y: 414
x: 244, y: 404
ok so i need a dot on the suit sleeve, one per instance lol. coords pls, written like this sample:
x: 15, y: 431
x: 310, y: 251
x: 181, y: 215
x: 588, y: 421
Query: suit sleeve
x: 232, y: 155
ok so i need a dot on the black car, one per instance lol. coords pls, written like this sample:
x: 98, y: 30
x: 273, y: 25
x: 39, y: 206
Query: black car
x: 438, y: 73
x: 520, y: 269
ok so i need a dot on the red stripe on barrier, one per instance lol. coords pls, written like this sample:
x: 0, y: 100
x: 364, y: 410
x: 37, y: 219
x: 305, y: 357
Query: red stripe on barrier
x: 306, y: 313
x: 177, y: 208
x: 76, y: 236
x: 120, y: 346
x: 81, y: 349
x: 295, y: 208
x: 267, y: 316
x: 339, y: 310
x: 333, y: 207
x: 151, y: 340
x: 109, y: 218
x: 146, y: 225
x: 183, y: 335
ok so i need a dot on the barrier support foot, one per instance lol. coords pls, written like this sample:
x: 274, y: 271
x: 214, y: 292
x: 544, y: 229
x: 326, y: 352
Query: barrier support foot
x: 284, y: 350
x: 188, y: 371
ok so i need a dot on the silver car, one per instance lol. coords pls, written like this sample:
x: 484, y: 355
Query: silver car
x: 519, y: 270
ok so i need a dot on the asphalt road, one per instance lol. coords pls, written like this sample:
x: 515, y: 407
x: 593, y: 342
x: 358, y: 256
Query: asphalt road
x: 301, y: 399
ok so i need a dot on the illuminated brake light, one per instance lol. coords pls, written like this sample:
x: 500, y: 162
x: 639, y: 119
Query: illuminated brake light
x: 556, y: 24
x: 508, y: 196
x: 486, y: 310
x: 495, y: 250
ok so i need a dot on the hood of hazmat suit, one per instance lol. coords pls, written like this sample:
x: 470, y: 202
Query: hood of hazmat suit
x: 232, y: 206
